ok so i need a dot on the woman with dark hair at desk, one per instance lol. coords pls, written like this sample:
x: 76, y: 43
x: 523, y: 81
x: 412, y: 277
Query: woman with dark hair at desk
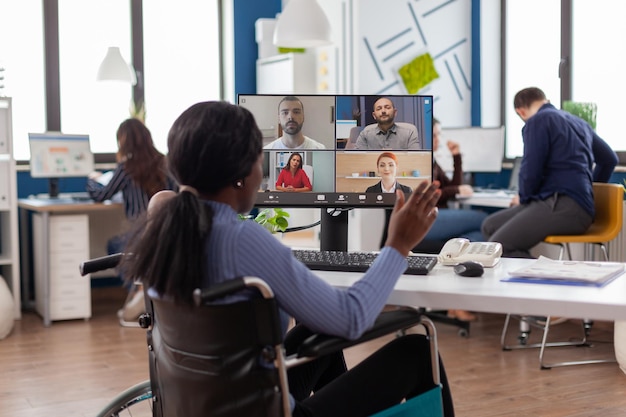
x: 292, y: 177
x: 453, y: 222
x: 140, y: 173
x: 387, y: 167
x: 208, y: 244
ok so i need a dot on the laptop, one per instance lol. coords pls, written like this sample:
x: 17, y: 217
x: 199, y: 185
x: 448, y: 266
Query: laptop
x: 513, y: 186
x: 514, y: 180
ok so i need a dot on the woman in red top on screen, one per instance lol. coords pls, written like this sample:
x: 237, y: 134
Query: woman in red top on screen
x: 292, y: 177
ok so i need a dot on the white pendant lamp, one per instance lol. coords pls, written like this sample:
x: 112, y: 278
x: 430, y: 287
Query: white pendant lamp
x: 114, y: 68
x: 302, y: 24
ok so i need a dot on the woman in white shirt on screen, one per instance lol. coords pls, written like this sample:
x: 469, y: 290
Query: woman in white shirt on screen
x: 387, y: 167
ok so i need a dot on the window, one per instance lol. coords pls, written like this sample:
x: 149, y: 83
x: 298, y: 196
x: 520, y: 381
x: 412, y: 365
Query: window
x: 533, y: 50
x: 181, y: 55
x: 598, y: 64
x: 181, y: 61
x: 86, y: 30
x: 24, y: 69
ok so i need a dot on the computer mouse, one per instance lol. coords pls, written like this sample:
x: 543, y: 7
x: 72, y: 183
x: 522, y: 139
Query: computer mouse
x: 469, y: 269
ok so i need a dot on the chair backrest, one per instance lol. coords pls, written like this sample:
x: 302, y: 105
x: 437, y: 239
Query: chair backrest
x: 354, y: 134
x: 308, y: 169
x: 209, y: 359
x: 609, y: 205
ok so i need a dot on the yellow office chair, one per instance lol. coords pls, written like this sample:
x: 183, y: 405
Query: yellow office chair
x: 608, y: 200
x: 609, y: 205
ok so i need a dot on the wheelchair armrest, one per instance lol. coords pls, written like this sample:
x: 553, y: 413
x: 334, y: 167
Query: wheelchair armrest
x: 386, y: 323
x: 100, y: 264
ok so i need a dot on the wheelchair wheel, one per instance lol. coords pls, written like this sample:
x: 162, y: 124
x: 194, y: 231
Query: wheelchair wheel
x: 135, y: 401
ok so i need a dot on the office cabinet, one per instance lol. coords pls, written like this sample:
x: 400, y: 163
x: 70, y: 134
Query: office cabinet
x: 5, y: 126
x: 5, y: 184
x: 9, y: 244
x: 67, y: 239
x: 292, y: 73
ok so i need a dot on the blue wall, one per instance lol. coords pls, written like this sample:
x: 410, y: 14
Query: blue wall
x: 27, y: 185
x: 246, y: 50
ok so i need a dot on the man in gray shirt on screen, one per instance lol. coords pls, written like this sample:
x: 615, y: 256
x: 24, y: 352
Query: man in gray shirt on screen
x: 386, y: 133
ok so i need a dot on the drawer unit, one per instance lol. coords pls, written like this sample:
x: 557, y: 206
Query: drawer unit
x: 68, y: 293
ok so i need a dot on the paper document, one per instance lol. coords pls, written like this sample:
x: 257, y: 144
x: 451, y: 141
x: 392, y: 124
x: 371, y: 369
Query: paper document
x: 493, y: 194
x: 549, y: 271
x: 105, y: 177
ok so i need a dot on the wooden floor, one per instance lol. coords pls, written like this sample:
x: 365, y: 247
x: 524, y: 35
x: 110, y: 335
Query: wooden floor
x: 73, y: 368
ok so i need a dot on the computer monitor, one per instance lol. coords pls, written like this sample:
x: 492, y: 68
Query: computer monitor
x: 342, y: 174
x: 55, y: 155
x: 482, y: 148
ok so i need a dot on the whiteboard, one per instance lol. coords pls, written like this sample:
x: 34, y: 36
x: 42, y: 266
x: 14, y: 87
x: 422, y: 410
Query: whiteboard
x: 482, y: 149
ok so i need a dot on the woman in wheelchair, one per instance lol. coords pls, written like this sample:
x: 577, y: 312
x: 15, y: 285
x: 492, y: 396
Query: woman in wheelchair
x: 195, y: 239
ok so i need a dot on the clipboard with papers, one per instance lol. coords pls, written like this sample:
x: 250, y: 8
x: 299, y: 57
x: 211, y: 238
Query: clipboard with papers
x: 549, y: 271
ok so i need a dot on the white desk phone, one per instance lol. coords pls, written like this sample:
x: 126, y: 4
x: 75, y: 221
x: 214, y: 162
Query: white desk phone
x: 460, y: 250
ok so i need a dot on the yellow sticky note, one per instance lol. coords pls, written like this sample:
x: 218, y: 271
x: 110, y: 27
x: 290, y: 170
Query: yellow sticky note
x: 418, y: 73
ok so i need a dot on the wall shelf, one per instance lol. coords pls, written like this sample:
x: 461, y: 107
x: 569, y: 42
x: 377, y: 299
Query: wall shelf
x: 9, y: 241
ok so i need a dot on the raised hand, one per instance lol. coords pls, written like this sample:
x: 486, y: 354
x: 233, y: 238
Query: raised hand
x: 413, y: 218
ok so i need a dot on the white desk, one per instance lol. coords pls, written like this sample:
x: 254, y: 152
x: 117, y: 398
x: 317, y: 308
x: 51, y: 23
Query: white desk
x: 442, y: 289
x: 61, y: 219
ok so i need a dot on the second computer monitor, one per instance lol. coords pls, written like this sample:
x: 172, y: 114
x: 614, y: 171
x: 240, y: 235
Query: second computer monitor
x: 55, y: 155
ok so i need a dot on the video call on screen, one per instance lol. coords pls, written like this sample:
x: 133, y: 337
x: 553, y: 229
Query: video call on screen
x: 343, y: 170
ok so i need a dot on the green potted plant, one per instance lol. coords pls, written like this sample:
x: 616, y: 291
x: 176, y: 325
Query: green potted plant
x: 273, y: 219
x: 586, y: 111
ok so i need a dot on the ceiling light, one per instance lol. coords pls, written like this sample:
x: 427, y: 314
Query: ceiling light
x: 114, y: 68
x: 302, y: 24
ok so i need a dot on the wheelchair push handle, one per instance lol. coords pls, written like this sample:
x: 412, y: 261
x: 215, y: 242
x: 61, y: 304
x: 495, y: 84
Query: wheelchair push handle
x: 100, y: 264
x: 231, y: 286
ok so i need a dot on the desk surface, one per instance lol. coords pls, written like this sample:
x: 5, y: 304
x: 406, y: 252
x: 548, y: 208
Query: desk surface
x: 500, y: 199
x: 65, y: 205
x: 442, y: 289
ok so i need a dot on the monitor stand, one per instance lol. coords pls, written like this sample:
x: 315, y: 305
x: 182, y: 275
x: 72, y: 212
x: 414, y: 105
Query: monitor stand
x: 53, y: 187
x: 334, y: 229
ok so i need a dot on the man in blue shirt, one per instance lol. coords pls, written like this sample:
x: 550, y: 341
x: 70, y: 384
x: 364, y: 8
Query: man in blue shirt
x: 563, y: 156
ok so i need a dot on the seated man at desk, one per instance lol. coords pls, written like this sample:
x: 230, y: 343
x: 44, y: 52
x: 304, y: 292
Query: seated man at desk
x: 562, y: 157
x: 386, y: 133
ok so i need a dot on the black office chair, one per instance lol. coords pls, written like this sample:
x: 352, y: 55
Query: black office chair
x: 208, y: 359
